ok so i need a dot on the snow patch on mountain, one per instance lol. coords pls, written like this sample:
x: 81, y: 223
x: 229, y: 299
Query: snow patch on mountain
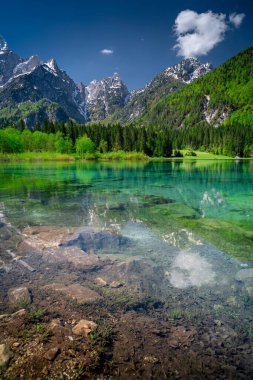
x: 3, y: 46
x: 188, y: 70
x: 27, y: 66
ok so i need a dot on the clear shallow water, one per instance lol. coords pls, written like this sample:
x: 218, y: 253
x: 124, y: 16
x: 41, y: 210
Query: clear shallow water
x: 184, y: 203
x: 187, y: 217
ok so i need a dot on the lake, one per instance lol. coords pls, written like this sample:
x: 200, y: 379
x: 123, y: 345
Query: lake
x: 168, y: 248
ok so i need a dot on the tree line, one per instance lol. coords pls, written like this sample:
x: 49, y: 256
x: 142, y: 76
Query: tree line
x: 153, y: 140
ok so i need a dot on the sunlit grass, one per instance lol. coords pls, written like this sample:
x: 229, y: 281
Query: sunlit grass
x: 35, y: 156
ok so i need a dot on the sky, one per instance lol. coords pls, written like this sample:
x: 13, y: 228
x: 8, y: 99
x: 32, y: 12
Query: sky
x: 135, y: 38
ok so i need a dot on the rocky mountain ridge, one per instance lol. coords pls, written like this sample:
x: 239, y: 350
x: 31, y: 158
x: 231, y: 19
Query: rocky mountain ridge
x: 28, y: 82
x: 168, y: 81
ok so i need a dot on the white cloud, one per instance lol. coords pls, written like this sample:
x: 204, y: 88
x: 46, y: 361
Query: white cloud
x: 198, y: 33
x: 106, y: 51
x: 236, y: 19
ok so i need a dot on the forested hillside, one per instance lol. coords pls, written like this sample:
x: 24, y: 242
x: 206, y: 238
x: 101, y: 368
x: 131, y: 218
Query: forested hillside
x: 221, y: 96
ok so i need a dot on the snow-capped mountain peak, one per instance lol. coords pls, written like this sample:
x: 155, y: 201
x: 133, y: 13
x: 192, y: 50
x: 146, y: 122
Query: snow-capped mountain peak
x: 27, y: 66
x: 3, y: 45
x: 32, y: 79
x: 188, y: 69
x: 51, y: 63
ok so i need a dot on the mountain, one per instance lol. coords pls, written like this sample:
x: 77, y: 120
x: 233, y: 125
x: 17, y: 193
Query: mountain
x: 222, y: 95
x: 8, y: 62
x: 168, y: 81
x: 105, y: 97
x: 26, y: 84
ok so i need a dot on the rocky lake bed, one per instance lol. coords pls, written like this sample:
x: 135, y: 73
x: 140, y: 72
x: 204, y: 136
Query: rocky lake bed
x: 69, y: 312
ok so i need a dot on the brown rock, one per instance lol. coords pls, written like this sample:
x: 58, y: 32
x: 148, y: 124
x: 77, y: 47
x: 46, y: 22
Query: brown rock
x: 55, y: 326
x: 84, y: 327
x: 4, y: 316
x: 116, y: 284
x: 42, y: 237
x: 76, y: 292
x: 74, y: 255
x: 100, y: 281
x: 5, y: 355
x: 151, y: 359
x: 51, y: 353
x: 19, y: 296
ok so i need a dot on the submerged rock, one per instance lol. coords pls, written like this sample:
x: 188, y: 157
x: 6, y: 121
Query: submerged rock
x: 244, y: 275
x: 92, y: 241
x: 100, y: 281
x: 84, y: 327
x: 151, y: 359
x: 75, y: 292
x: 41, y: 237
x: 19, y: 296
x: 116, y: 284
x: 51, y: 353
x: 74, y: 255
x: 191, y: 269
x: 5, y: 355
x: 55, y: 326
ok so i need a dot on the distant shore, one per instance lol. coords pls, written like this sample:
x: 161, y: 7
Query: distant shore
x: 110, y: 156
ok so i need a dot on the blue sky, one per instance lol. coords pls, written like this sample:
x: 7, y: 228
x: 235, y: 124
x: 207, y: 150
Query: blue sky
x: 140, y: 33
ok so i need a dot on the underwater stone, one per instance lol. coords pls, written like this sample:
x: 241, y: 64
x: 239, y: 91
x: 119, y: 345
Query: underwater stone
x: 5, y: 355
x: 244, y: 275
x: 19, y: 296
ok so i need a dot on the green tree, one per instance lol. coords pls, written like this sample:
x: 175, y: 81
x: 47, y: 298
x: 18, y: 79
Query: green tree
x: 10, y: 141
x: 63, y: 145
x: 103, y: 146
x: 84, y: 145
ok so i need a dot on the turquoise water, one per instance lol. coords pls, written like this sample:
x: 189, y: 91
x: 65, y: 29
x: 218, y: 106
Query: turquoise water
x: 179, y: 234
x: 180, y: 201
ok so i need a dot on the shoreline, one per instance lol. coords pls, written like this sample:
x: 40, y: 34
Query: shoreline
x: 111, y: 156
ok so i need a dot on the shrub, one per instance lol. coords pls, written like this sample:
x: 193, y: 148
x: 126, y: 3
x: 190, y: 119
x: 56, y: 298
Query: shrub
x: 190, y: 153
x: 84, y: 145
x: 177, y: 153
x: 10, y: 141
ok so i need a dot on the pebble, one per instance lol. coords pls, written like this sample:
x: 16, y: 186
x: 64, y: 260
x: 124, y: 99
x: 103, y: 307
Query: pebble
x: 84, y: 327
x: 151, y: 359
x: 5, y: 355
x: 116, y: 284
x: 100, y: 281
x: 51, y: 353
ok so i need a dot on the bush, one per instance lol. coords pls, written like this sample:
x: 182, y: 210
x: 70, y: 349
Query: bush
x: 84, y: 145
x: 190, y: 153
x: 10, y: 141
x: 63, y: 145
x: 177, y: 153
